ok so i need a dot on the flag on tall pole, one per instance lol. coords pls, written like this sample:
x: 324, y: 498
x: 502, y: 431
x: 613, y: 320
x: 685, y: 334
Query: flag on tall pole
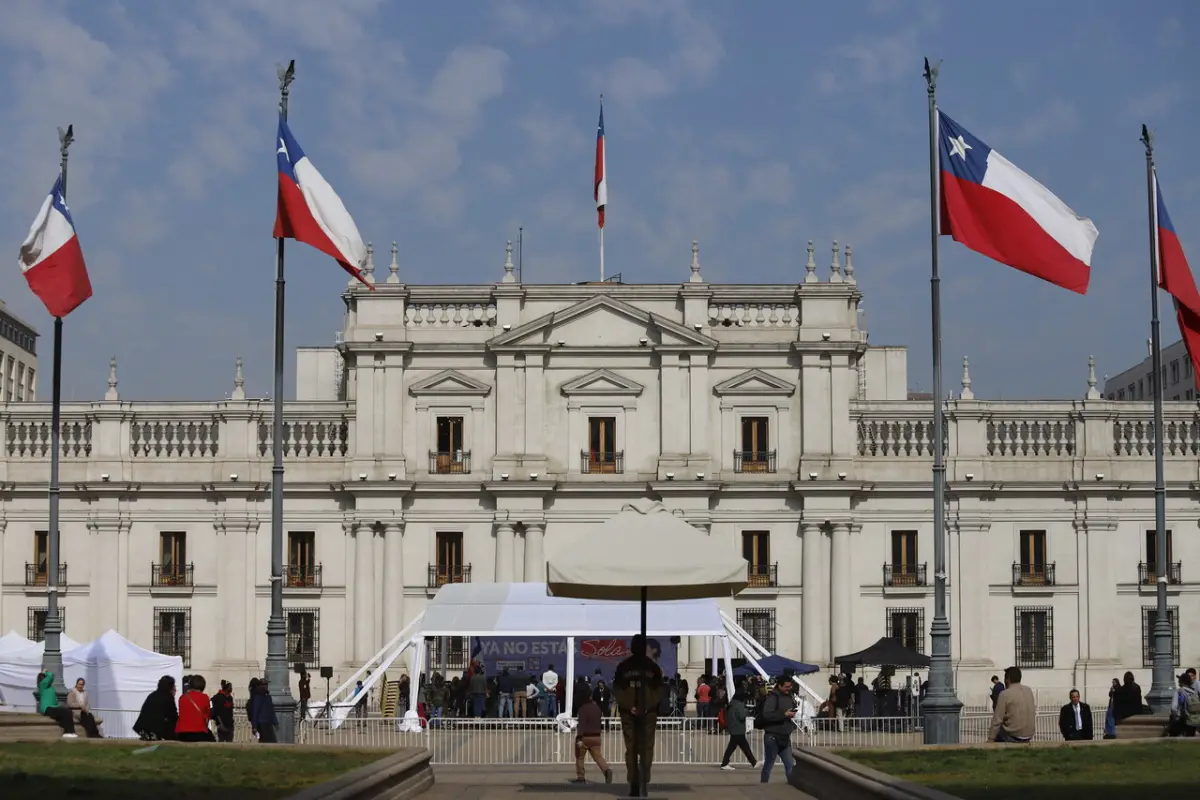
x: 1175, y: 277
x: 994, y: 208
x: 310, y: 211
x: 600, y: 187
x: 51, y: 258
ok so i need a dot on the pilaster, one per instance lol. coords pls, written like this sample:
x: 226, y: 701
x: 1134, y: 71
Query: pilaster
x: 812, y: 640
x: 816, y: 443
x: 843, y: 380
x: 673, y: 425
x: 364, y: 596
x: 505, y: 548
x: 393, y: 421
x: 535, y: 561
x: 393, y: 578
x: 699, y: 393
x: 972, y: 618
x: 110, y: 585
x: 535, y: 400
x: 1094, y: 542
x: 236, y: 588
x: 841, y: 595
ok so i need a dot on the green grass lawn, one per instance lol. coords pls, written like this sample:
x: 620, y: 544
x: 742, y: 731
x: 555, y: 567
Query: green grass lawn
x: 76, y: 769
x: 1161, y: 771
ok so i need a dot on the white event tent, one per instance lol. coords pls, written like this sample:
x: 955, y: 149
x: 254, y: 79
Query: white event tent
x: 525, y: 609
x: 20, y: 663
x: 119, y: 675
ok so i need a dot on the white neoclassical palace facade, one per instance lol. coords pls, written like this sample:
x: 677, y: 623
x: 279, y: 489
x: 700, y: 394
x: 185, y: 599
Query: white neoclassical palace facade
x: 453, y: 430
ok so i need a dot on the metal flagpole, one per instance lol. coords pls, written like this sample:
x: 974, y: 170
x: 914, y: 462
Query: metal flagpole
x: 276, y: 673
x: 52, y: 655
x: 1161, y: 684
x: 602, y: 255
x: 941, y: 707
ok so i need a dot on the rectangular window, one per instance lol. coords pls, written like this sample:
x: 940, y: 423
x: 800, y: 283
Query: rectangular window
x: 756, y: 438
x: 1033, y: 557
x: 1188, y: 395
x: 302, y: 559
x: 1150, y: 572
x: 756, y: 549
x: 602, y: 454
x: 1034, y: 637
x: 1149, y: 617
x: 450, y: 457
x: 173, y: 552
x: 1175, y: 372
x: 455, y: 649
x: 31, y: 385
x: 10, y: 369
x: 35, y: 623
x: 1121, y: 394
x: 20, y: 382
x: 41, y: 555
x: 449, y: 567
x: 304, y: 637
x: 904, y: 559
x: 906, y: 627
x: 173, y: 633
x: 760, y: 624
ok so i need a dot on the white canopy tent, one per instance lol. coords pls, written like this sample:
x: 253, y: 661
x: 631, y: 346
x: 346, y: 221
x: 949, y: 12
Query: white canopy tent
x: 525, y: 609
x: 20, y: 663
x: 119, y: 675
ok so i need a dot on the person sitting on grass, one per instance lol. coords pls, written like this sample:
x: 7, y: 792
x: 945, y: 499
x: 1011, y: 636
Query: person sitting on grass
x: 48, y: 705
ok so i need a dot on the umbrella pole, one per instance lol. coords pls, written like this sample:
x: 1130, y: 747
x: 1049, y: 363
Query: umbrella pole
x: 640, y: 729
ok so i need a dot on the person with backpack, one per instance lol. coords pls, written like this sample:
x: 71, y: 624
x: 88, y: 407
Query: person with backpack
x: 1185, y: 708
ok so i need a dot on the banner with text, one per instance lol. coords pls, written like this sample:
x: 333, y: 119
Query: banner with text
x: 524, y: 655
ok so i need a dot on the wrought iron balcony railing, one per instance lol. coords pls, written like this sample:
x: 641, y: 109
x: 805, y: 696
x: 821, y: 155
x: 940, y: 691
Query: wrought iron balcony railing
x: 441, y: 574
x: 762, y: 576
x: 1148, y: 572
x: 172, y: 574
x: 592, y: 461
x: 450, y: 462
x: 1032, y: 574
x: 753, y: 460
x: 36, y: 575
x: 905, y: 575
x: 303, y: 576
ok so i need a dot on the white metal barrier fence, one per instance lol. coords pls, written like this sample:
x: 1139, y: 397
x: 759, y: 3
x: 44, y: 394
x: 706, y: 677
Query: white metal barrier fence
x: 687, y: 740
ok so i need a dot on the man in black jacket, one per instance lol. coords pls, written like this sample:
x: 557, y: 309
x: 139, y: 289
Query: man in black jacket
x: 1075, y: 720
x: 775, y: 720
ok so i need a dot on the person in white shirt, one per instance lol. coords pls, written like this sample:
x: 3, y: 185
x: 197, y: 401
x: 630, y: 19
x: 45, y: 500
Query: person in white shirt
x: 550, y: 681
x: 533, y: 697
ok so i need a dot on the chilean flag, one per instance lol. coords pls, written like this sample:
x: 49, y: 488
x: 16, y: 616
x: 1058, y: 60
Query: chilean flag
x: 601, y: 186
x: 310, y: 211
x: 995, y: 209
x: 1175, y: 277
x: 51, y: 258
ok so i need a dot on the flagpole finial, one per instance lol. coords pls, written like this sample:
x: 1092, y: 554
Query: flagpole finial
x: 65, y: 140
x: 696, y: 262
x: 1148, y: 140
x: 239, y: 381
x: 394, y: 267
x: 966, y: 393
x: 1092, y: 393
x: 931, y: 74
x: 810, y: 266
x: 508, y: 263
x: 111, y: 395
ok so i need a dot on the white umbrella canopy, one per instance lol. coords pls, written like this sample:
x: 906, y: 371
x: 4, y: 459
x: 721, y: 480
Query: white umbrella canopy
x: 644, y: 547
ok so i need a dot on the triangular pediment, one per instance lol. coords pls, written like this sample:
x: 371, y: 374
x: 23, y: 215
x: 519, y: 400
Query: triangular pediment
x: 449, y: 382
x: 601, y: 383
x: 755, y: 382
x: 602, y: 321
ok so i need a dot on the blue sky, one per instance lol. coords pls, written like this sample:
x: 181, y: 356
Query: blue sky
x: 751, y: 126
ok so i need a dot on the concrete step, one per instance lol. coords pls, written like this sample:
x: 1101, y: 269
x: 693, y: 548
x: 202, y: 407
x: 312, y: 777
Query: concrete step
x: 15, y: 727
x: 1143, y: 726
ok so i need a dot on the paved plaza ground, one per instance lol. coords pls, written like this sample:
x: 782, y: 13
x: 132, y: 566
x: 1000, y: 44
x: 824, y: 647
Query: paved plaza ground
x: 670, y: 782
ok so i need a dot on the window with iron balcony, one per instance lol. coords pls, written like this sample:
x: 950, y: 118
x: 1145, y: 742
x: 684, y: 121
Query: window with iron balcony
x: 1032, y: 567
x: 756, y: 549
x: 602, y: 455
x: 37, y: 573
x: 755, y: 454
x: 449, y: 567
x: 1148, y: 569
x: 303, y: 571
x: 450, y: 458
x: 904, y: 569
x: 172, y: 568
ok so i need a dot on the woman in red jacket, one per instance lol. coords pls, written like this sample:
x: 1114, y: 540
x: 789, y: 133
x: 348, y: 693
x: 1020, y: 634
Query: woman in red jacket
x: 194, y: 713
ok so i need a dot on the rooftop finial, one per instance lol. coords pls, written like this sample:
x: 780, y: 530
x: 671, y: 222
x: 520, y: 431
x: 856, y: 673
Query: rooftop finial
x: 112, y: 395
x: 239, y: 381
x: 835, y: 267
x: 369, y: 267
x: 1093, y: 393
x: 966, y: 394
x: 810, y: 266
x: 849, y: 266
x: 508, y: 263
x: 696, y: 263
x: 394, y: 267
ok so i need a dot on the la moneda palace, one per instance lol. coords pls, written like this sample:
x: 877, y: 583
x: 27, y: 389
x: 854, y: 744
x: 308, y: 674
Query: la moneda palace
x: 453, y: 430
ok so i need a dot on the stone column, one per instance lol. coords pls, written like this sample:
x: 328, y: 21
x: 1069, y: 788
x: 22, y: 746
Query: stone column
x: 364, y: 611
x: 506, y: 391
x: 700, y: 393
x: 504, y: 551
x: 255, y: 627
x: 535, y: 563
x: 674, y: 426
x: 841, y: 594
x: 393, y: 579
x: 812, y: 639
x: 535, y: 394
x: 230, y: 575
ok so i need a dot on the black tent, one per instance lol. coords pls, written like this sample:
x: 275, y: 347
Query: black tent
x: 885, y: 652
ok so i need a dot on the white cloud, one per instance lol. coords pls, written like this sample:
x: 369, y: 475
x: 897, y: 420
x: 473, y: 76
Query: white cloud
x: 524, y: 22
x: 1060, y: 116
x: 1151, y: 106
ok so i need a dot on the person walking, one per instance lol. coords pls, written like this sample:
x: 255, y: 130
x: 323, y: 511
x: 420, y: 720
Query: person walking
x: 735, y: 726
x: 305, y: 694
x: 261, y: 710
x: 778, y: 711
x: 588, y: 740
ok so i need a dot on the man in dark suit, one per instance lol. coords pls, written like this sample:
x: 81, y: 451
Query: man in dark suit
x: 1075, y: 720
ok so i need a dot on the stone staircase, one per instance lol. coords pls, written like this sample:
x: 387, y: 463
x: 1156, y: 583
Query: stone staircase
x: 16, y: 727
x: 1143, y: 726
